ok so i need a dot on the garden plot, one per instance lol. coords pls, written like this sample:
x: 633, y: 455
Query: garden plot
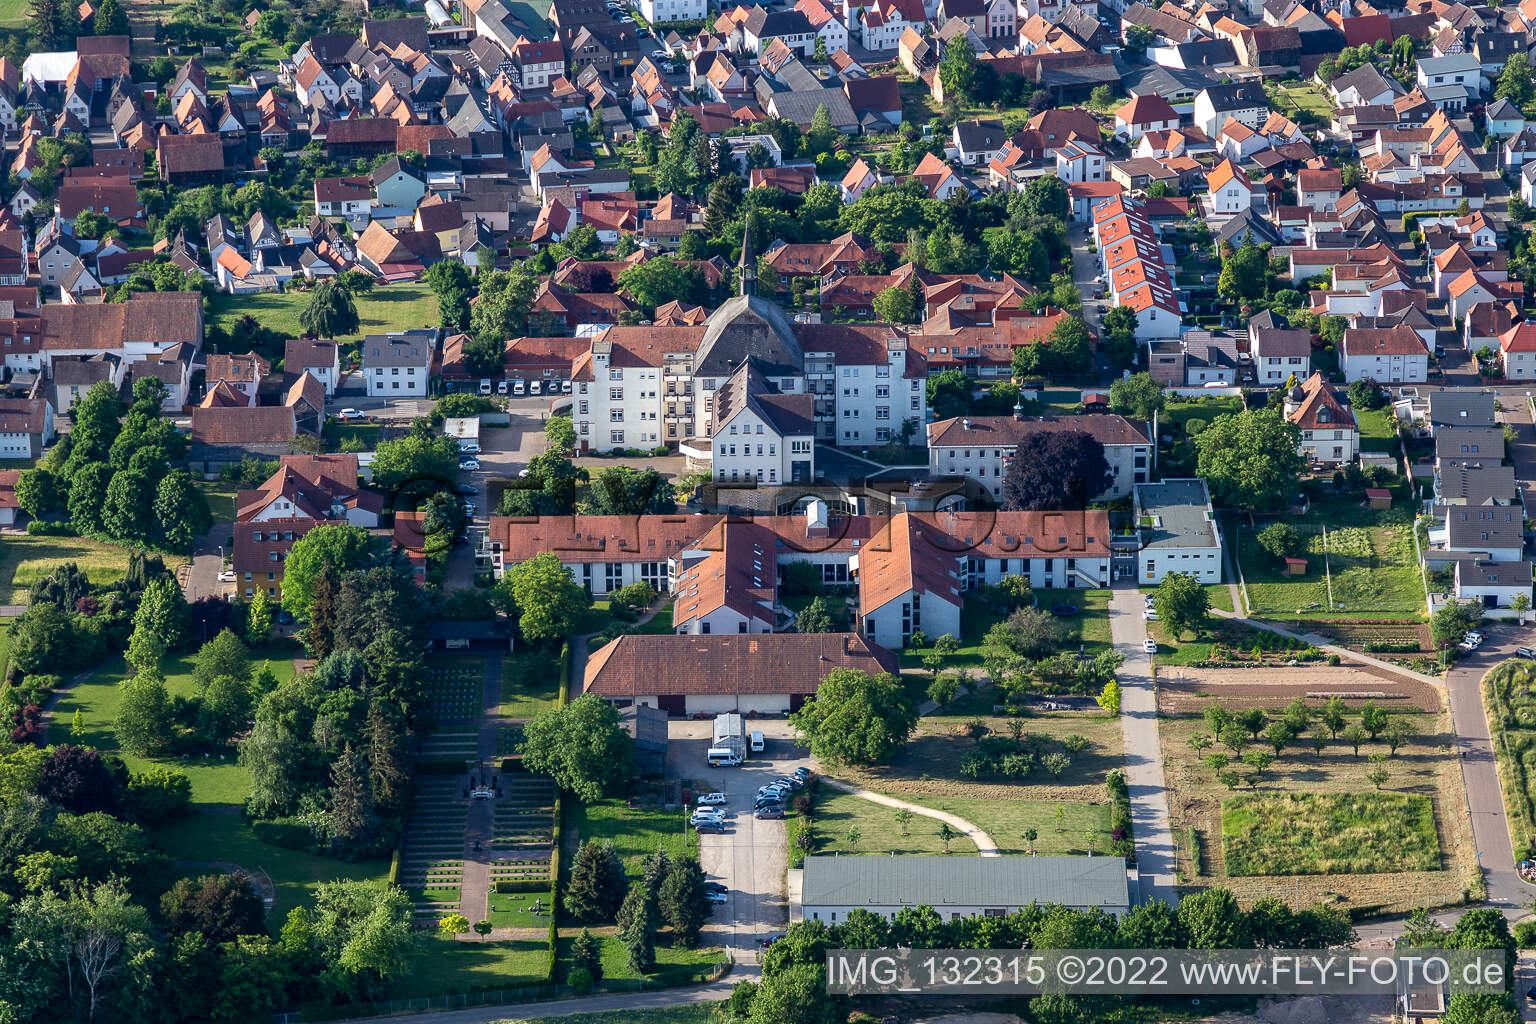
x: 1353, y: 569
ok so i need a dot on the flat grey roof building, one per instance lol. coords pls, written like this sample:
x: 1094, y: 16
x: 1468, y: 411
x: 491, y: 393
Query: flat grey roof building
x: 1179, y: 511
x: 961, y: 885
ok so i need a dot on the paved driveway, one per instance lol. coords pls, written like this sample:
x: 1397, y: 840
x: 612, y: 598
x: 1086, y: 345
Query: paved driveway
x: 1485, y: 800
x: 1155, y: 854
x: 751, y: 856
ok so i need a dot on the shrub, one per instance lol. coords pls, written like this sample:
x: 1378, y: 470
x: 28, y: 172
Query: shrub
x: 579, y: 980
x: 48, y: 528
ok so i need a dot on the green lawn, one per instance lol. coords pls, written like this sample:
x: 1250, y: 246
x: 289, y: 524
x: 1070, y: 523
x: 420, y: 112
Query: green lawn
x: 367, y: 434
x: 675, y: 965
x: 530, y: 681
x: 220, y: 495
x: 394, y: 307
x: 1006, y: 820
x: 5, y: 645
x: 228, y: 837
x: 635, y: 832
x: 880, y: 833
x: 1328, y: 833
x: 13, y: 13
x: 436, y: 965
x: 1090, y: 627
x: 216, y: 779
x: 1220, y: 596
x: 1296, y: 96
x: 1378, y: 429
x: 1370, y: 560
x: 25, y: 559
x: 598, y: 619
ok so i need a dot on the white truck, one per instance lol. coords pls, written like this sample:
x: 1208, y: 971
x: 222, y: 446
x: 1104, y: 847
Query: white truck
x: 729, y: 746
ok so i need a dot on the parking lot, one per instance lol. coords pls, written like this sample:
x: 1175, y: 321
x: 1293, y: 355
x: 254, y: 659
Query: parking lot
x: 751, y: 856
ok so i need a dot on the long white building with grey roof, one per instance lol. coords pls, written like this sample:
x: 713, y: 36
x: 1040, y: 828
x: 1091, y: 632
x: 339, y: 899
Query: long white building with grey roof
x: 827, y: 888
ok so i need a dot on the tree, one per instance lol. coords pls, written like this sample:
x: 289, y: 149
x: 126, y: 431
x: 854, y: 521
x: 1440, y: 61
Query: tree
x: 1212, y: 919
x: 597, y: 884
x: 1244, y: 272
x: 430, y: 458
x: 450, y: 283
x: 37, y: 492
x: 581, y: 746
x: 1355, y: 735
x: 144, y: 714
x: 949, y: 394
x: 258, y: 620
x: 682, y: 899
x: 330, y: 312
x: 1047, y: 196
x: 1182, y: 603
x: 1277, y: 735
x: 1056, y: 470
x: 327, y: 550
x: 942, y: 650
x: 1250, y: 459
x: 855, y: 718
x: 1109, y: 697
x: 360, y: 932
x: 87, y: 495
x: 162, y: 613
x: 957, y: 71
x: 1514, y: 82
x: 903, y: 819
x: 181, y: 510
x: 894, y: 305
x: 639, y: 933
x: 49, y: 21
x: 660, y: 280
x: 1281, y: 540
x: 1235, y: 738
x: 625, y: 491
x: 549, y: 600
x: 1453, y: 619
x: 586, y: 954
x: 453, y: 924
x: 79, y: 780
x: 947, y: 834
x: 1378, y: 775
x: 817, y: 617
x: 1333, y: 716
x: 1138, y: 396
x: 1480, y: 1008
x: 943, y: 689
x: 220, y: 907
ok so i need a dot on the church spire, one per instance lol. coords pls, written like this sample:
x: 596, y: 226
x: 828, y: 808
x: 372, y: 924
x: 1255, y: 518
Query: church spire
x: 748, y: 265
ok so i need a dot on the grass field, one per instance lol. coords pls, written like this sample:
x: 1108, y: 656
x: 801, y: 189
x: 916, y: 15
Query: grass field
x: 1370, y: 562
x: 1378, y: 429
x: 228, y: 837
x: 5, y: 645
x: 530, y: 682
x: 1294, y: 795
x: 24, y: 560
x: 1089, y: 627
x: 13, y: 13
x: 635, y: 832
x: 675, y: 965
x: 1511, y: 705
x: 879, y: 831
x: 1080, y: 824
x: 1328, y: 833
x: 394, y: 307
x: 436, y: 965
x: 216, y: 781
x: 1295, y: 96
x: 220, y: 495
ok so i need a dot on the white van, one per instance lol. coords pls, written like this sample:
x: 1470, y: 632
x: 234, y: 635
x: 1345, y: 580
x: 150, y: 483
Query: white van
x: 723, y: 757
x: 518, y: 386
x: 757, y: 742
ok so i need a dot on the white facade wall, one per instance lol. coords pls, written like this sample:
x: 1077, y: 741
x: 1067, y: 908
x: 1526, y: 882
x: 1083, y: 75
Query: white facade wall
x: 891, y: 625
x: 1409, y: 369
x: 396, y: 381
x: 987, y: 466
x: 1520, y: 365
x: 1330, y: 444
x: 1068, y: 571
x: 18, y: 446
x: 747, y: 448
x: 726, y: 621
x: 1202, y: 563
x: 1275, y: 370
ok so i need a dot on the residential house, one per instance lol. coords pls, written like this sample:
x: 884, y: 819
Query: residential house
x: 1329, y: 434
x: 1394, y: 355
x: 1178, y: 531
x: 398, y: 365
x: 980, y: 449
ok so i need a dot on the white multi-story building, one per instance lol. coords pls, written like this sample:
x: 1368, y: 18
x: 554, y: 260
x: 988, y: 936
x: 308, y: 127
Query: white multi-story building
x: 640, y: 387
x: 1178, y: 531
x: 761, y: 435
x: 398, y: 365
x: 1391, y: 355
x: 980, y: 448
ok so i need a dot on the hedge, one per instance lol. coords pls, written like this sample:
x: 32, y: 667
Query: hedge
x: 565, y: 673
x: 286, y: 833
x: 394, y: 864
x: 508, y: 886
x: 51, y: 528
x: 554, y: 891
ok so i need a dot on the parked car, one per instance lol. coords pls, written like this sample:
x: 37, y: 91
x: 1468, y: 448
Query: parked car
x: 706, y: 815
x: 715, y: 896
x: 716, y: 827
x: 1151, y: 614
x: 712, y: 798
x: 501, y: 387
x: 1524, y: 652
x: 770, y: 814
x: 534, y: 387
x: 469, y: 466
x: 764, y: 801
x: 485, y: 385
x: 470, y: 508
x: 467, y: 490
x: 352, y: 414
x: 1474, y: 636
x: 518, y: 387
x: 713, y: 886
x: 227, y: 576
x: 565, y: 387
x: 1149, y: 645
x: 469, y: 447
